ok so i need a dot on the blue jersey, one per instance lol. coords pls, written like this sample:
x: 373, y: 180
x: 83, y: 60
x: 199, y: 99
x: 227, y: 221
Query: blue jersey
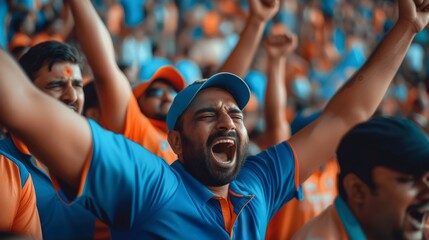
x: 58, y: 220
x: 141, y: 197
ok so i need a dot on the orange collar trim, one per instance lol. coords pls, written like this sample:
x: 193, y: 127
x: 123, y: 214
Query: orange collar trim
x: 20, y: 145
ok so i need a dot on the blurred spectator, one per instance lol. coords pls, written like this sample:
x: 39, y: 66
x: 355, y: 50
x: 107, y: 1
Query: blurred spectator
x: 189, y: 70
x: 56, y: 28
x: 4, y: 17
x: 136, y: 47
x: 91, y: 106
x: 23, y: 27
x: 133, y: 12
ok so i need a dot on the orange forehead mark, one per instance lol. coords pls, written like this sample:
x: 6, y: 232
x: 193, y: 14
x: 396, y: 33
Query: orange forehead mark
x: 68, y: 71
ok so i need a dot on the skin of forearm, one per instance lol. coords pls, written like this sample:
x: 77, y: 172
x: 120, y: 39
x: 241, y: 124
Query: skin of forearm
x: 275, y: 102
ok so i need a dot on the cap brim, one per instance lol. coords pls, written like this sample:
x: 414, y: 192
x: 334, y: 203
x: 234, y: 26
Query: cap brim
x: 168, y: 73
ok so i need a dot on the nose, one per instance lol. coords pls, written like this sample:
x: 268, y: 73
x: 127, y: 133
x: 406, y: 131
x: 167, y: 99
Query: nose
x: 225, y: 122
x: 168, y: 95
x: 425, y: 186
x: 69, y: 94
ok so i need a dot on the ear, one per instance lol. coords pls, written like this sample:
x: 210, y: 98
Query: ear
x: 175, y: 142
x: 357, y: 191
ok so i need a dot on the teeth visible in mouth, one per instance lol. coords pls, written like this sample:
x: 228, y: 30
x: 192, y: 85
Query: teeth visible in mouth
x: 418, y: 219
x: 224, y: 141
x: 224, y: 150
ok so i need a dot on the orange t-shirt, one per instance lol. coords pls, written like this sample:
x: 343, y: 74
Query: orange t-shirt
x: 319, y: 190
x: 18, y: 200
x: 44, y: 37
x: 139, y: 129
x: 19, y: 39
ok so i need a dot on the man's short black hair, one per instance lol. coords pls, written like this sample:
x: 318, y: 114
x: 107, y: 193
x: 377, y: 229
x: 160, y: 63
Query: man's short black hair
x: 50, y: 52
x: 394, y: 143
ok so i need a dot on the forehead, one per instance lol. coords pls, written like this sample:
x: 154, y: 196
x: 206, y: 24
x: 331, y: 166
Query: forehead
x: 61, y: 70
x: 212, y: 97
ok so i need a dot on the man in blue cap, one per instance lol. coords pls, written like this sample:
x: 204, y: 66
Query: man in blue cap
x: 383, y: 185
x: 211, y: 192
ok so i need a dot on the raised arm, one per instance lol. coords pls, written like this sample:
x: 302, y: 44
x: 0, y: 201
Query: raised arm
x: 357, y: 100
x: 52, y: 131
x: 113, y: 88
x: 242, y: 56
x: 277, y: 47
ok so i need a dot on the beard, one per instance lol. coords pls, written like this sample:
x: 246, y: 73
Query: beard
x: 199, y: 163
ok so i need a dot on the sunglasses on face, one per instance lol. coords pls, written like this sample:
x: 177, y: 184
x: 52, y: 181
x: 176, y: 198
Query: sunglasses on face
x: 159, y: 92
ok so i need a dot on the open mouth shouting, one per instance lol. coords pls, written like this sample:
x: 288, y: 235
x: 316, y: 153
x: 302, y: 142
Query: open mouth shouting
x: 224, y: 151
x: 417, y: 218
x: 73, y: 106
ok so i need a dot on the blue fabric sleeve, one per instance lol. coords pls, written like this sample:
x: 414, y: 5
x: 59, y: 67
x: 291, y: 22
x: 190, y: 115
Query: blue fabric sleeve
x: 271, y: 176
x: 7, y: 149
x: 125, y: 182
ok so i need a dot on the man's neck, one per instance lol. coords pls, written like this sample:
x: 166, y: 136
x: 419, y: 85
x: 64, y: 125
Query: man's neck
x: 221, y: 191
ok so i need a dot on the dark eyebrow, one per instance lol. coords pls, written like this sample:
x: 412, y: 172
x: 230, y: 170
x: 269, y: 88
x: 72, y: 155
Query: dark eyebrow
x: 204, y: 110
x: 77, y: 81
x: 235, y: 110
x: 56, y: 82
x: 214, y: 109
x: 62, y: 81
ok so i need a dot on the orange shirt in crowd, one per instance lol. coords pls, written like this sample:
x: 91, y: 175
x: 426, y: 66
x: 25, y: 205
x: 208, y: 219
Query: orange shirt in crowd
x: 147, y: 133
x: 19, y: 39
x: 319, y: 191
x: 18, y: 211
x: 44, y: 37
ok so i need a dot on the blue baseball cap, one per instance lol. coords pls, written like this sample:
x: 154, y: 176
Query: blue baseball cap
x: 228, y: 81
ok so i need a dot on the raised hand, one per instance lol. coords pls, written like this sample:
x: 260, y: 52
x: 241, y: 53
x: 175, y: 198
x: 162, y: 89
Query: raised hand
x: 278, y: 45
x: 264, y: 10
x: 415, y: 12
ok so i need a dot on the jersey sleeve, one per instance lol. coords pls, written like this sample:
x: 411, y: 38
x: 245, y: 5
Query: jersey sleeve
x: 273, y: 176
x: 27, y: 219
x: 122, y: 183
x: 18, y: 211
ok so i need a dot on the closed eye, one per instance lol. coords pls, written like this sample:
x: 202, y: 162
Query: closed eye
x: 78, y: 83
x: 236, y: 116
x: 55, y: 84
x: 206, y: 116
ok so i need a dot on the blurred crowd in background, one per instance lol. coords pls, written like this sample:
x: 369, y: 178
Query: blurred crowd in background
x: 197, y: 35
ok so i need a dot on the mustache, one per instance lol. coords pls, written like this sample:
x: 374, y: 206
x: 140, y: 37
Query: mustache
x: 71, y: 104
x: 219, y: 134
